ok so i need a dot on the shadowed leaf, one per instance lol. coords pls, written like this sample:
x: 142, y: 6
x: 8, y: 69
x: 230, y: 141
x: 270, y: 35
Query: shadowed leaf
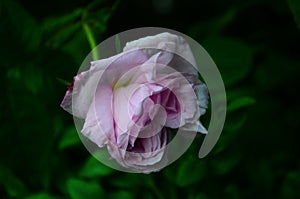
x: 184, y: 177
x: 22, y: 24
x: 240, y: 103
x: 70, y: 138
x: 295, y: 7
x: 41, y: 196
x: 79, y: 189
x: 121, y: 194
x: 12, y: 184
x: 233, y: 58
x: 93, y: 168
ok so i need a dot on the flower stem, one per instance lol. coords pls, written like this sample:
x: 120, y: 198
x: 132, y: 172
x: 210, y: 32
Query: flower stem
x: 91, y: 40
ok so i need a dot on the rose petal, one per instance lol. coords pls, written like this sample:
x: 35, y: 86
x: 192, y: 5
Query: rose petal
x: 92, y: 129
x: 167, y: 42
x: 155, y: 144
x: 98, y: 125
x: 78, y: 101
x: 103, y: 109
x: 123, y: 63
x: 122, y: 102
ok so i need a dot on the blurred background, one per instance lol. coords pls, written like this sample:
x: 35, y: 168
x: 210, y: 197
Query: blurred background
x: 256, y: 46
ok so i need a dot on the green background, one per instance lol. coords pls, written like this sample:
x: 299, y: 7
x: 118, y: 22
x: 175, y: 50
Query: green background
x: 256, y: 46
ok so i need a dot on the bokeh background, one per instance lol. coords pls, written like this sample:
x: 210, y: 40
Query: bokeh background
x: 256, y: 46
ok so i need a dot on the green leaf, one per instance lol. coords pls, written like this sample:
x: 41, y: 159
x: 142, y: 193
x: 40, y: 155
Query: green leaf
x: 261, y: 173
x: 212, y: 26
x: 240, y: 103
x: 232, y: 191
x: 33, y: 79
x: 290, y: 188
x: 41, y: 196
x: 55, y: 23
x: 184, y: 176
x: 77, y: 48
x: 295, y: 8
x: 232, y: 57
x: 230, y: 132
x: 270, y: 74
x: 201, y: 196
x: 13, y: 185
x: 63, y: 35
x: 100, y: 18
x: 129, y: 181
x: 223, y: 164
x: 22, y: 25
x: 93, y: 168
x: 69, y: 139
x: 121, y: 194
x: 79, y: 189
x: 13, y: 74
x: 60, y: 29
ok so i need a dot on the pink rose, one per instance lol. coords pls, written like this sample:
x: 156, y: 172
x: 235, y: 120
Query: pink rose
x: 131, y: 101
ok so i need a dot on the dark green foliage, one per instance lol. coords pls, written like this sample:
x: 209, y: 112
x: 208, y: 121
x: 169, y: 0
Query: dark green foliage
x: 79, y: 189
x: 93, y: 169
x: 295, y: 7
x: 256, y: 46
x: 233, y: 57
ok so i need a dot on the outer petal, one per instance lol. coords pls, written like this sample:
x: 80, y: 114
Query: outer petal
x: 103, y: 110
x: 98, y: 125
x: 78, y: 99
x: 92, y: 129
x: 166, y: 42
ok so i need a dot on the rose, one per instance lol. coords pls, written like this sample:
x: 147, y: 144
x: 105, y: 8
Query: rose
x: 131, y: 101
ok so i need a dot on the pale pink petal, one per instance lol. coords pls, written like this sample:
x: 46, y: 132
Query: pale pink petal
x: 184, y: 93
x: 98, y: 125
x: 78, y: 100
x: 157, y: 117
x: 92, y: 129
x: 164, y: 41
x: 121, y: 103
x: 149, y: 151
x: 122, y: 64
x: 103, y: 108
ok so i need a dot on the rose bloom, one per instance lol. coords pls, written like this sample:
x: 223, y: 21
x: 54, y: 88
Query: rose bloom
x: 131, y: 101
